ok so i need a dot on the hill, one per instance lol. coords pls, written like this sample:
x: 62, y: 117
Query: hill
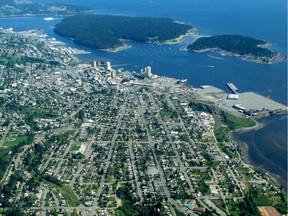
x: 106, y: 32
x: 246, y: 47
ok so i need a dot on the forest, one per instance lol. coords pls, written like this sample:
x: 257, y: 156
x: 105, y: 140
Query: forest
x: 105, y: 31
x: 236, y: 44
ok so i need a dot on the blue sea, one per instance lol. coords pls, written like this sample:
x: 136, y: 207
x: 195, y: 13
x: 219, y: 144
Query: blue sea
x: 265, y: 20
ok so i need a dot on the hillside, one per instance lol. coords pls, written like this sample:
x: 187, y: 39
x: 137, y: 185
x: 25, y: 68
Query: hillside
x: 106, y: 32
x: 247, y: 47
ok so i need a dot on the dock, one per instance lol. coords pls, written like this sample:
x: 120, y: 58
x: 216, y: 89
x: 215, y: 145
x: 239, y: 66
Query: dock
x: 248, y: 103
x: 232, y: 87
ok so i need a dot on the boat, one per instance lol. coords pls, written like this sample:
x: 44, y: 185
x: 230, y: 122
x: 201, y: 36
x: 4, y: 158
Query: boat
x: 49, y: 18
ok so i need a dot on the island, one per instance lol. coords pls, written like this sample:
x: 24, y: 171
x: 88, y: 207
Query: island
x: 14, y: 8
x: 244, y: 47
x: 107, y: 32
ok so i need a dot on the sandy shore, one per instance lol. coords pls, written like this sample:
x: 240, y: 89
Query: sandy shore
x: 114, y: 50
x: 180, y: 39
x: 177, y: 40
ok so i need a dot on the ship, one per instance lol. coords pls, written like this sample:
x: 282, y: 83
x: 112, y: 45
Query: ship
x: 49, y: 18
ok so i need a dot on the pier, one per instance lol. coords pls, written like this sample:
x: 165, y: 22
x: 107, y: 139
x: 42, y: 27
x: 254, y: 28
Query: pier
x: 232, y: 87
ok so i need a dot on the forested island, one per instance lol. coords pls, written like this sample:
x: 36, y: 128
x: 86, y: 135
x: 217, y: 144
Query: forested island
x: 10, y: 8
x: 236, y: 45
x: 105, y: 31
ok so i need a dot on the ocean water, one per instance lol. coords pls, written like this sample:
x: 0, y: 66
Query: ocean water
x: 262, y: 19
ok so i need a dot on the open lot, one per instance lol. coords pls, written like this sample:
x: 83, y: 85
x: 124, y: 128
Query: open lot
x: 249, y: 100
x: 14, y: 141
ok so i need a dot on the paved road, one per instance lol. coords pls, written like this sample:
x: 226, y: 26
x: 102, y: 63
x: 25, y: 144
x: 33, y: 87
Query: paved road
x: 173, y: 202
x: 211, y: 204
x: 168, y: 134
x: 6, y: 133
x: 139, y: 191
x: 108, y: 161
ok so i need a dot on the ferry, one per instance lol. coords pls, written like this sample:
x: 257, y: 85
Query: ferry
x: 49, y: 18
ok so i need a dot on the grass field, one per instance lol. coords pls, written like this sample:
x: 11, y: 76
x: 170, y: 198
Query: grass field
x: 14, y: 141
x: 74, y: 147
x: 221, y: 134
x: 235, y: 122
x: 69, y: 196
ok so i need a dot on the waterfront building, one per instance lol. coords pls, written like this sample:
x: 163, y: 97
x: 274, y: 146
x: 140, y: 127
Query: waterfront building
x: 148, y: 71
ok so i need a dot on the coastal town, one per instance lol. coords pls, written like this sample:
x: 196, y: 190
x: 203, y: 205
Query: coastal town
x: 27, y: 8
x: 87, y: 139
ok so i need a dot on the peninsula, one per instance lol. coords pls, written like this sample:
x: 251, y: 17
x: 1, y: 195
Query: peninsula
x: 14, y: 8
x: 246, y: 48
x: 105, y: 32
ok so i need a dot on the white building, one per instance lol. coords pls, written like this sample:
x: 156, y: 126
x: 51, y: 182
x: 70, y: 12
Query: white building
x: 113, y: 74
x: 233, y: 96
x: 108, y: 65
x: 148, y: 71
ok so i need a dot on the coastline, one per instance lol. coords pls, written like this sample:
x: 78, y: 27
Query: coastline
x: 40, y: 15
x: 181, y: 38
x: 244, y: 152
x: 278, y: 57
x: 172, y: 41
x: 244, y: 146
x: 118, y: 49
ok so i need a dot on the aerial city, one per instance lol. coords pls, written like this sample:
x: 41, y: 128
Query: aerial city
x: 139, y: 108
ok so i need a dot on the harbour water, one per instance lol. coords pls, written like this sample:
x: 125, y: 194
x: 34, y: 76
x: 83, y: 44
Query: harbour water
x: 265, y: 20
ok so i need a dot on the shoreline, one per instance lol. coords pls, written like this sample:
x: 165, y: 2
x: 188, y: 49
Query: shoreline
x: 172, y: 41
x: 278, y: 57
x: 118, y: 49
x: 244, y: 150
x: 181, y: 38
x: 40, y: 15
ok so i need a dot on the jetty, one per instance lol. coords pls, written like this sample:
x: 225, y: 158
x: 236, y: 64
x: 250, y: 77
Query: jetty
x: 232, y: 87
